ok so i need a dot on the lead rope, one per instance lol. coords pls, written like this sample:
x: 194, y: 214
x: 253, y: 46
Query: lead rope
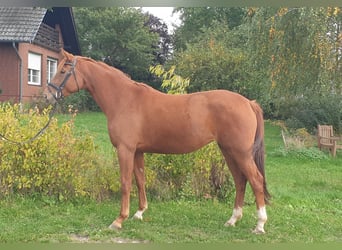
x: 40, y: 132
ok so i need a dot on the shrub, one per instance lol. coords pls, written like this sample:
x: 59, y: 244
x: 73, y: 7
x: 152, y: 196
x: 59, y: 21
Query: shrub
x: 202, y: 174
x: 299, y: 144
x: 303, y: 153
x: 310, y: 111
x: 81, y: 101
x: 57, y: 163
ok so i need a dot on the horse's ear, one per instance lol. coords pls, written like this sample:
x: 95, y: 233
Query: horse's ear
x: 66, y: 55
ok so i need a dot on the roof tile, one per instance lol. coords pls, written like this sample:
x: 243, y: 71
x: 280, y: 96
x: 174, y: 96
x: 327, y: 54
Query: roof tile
x: 20, y: 24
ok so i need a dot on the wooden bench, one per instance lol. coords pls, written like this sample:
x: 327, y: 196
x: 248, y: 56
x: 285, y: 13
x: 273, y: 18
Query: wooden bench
x: 326, y: 139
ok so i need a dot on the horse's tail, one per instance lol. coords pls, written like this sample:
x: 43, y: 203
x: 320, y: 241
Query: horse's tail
x: 259, y: 147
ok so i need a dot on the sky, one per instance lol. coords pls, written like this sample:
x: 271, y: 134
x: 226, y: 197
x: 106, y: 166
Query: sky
x: 164, y: 13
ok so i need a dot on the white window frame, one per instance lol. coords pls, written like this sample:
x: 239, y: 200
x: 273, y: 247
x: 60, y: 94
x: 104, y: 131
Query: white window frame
x: 34, y: 69
x: 51, y: 68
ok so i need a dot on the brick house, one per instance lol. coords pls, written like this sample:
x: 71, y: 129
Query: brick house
x: 30, y: 39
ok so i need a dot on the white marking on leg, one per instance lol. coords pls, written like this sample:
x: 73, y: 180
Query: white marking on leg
x: 139, y: 215
x: 237, y: 215
x: 262, y: 218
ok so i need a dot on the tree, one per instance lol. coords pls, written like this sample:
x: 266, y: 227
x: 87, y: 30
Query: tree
x: 164, y: 46
x: 331, y: 49
x: 194, y: 19
x: 171, y: 82
x: 297, y: 52
x: 295, y: 61
x: 213, y: 61
x: 283, y: 57
x: 119, y: 37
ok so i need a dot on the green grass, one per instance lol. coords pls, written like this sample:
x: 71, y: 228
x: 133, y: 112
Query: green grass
x: 306, y: 206
x: 96, y: 124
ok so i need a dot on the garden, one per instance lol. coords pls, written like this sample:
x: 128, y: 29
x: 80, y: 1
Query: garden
x: 73, y: 198
x: 64, y: 186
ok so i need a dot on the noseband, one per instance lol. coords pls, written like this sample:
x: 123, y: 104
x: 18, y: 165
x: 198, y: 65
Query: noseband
x: 59, y: 94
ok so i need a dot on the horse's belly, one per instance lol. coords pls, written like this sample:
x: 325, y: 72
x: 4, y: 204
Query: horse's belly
x: 175, y: 143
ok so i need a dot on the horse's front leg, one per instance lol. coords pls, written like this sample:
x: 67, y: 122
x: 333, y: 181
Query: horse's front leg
x: 126, y: 161
x: 139, y: 174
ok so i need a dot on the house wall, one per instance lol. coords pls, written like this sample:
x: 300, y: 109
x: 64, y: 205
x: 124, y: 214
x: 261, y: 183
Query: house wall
x: 10, y: 70
x: 32, y: 92
x: 9, y: 73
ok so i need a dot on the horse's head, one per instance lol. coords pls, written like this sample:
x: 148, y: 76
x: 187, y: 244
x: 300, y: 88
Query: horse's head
x: 66, y: 79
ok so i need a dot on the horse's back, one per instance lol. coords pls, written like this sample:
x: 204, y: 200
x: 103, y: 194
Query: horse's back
x: 235, y: 120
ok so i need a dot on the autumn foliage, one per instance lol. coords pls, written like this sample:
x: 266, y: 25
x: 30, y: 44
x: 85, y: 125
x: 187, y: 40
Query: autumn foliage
x: 58, y: 163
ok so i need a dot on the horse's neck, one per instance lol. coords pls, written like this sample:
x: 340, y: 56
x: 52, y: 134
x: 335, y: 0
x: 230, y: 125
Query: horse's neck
x: 108, y: 86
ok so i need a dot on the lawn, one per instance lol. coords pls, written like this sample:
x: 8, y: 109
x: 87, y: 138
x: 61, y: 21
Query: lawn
x: 306, y: 206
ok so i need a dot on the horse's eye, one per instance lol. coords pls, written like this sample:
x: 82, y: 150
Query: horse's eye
x: 62, y: 71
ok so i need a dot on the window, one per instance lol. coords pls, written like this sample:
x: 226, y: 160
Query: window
x: 34, y: 69
x: 51, y: 68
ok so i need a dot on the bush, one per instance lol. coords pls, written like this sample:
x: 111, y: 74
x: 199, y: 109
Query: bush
x: 303, y: 153
x: 202, y: 174
x: 299, y: 144
x: 57, y: 163
x: 81, y: 101
x: 310, y: 111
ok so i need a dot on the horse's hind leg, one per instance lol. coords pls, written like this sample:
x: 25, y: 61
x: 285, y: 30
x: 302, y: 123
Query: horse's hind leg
x: 256, y: 180
x: 257, y: 183
x: 139, y: 174
x: 240, y: 187
x: 243, y: 169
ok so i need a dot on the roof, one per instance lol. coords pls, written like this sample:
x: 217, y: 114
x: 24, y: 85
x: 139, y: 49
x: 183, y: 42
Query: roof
x: 21, y: 24
x: 65, y: 18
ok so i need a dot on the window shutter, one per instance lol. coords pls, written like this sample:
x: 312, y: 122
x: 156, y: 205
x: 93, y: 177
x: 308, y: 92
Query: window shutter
x: 34, y: 61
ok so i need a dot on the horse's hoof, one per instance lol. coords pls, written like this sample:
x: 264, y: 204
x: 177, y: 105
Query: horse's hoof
x: 138, y: 215
x: 229, y: 224
x: 258, y: 231
x: 115, y: 226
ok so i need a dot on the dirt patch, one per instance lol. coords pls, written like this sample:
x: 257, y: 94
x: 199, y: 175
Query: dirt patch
x: 76, y: 238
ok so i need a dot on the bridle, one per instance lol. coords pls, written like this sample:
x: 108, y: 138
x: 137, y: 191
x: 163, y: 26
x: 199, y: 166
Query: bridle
x: 58, y: 96
x: 59, y: 89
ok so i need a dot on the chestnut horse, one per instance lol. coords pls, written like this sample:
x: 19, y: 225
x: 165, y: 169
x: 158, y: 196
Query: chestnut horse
x: 142, y: 119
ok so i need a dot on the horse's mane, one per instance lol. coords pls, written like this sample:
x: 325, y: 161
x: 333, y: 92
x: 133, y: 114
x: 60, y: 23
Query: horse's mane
x: 111, y: 68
